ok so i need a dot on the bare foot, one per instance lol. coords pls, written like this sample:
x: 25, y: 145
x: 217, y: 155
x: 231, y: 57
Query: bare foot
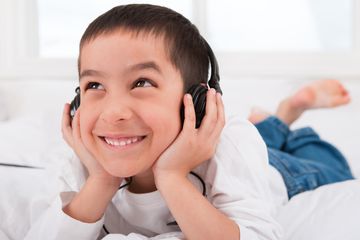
x: 318, y: 94
x: 257, y: 115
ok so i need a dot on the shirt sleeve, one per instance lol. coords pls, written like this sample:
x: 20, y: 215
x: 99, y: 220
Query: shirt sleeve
x: 135, y: 236
x: 132, y: 236
x: 239, y: 185
x: 51, y: 222
x: 55, y: 224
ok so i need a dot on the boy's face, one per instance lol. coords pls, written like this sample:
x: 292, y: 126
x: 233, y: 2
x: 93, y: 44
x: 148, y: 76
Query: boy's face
x: 130, y: 101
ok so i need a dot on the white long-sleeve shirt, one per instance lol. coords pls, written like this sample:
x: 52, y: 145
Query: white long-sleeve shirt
x: 237, y: 184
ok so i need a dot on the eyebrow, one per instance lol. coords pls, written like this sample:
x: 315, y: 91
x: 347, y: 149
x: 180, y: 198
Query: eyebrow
x: 146, y: 65
x: 136, y: 67
x: 91, y: 73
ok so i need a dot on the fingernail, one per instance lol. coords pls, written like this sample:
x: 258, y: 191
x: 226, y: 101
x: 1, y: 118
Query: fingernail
x: 188, y: 96
x: 212, y: 91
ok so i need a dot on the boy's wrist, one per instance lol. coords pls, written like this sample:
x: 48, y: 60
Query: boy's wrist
x: 165, y: 179
x: 105, y: 182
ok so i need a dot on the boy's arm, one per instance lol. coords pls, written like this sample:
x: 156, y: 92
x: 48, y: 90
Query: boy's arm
x: 90, y: 203
x: 237, y: 189
x: 49, y: 221
x: 195, y: 215
x: 197, y: 218
x: 80, y: 216
x: 54, y: 224
x: 241, y: 205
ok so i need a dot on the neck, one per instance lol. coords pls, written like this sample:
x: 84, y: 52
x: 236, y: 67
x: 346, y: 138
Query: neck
x: 143, y: 183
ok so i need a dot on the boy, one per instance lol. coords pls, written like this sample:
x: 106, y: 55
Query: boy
x: 135, y: 64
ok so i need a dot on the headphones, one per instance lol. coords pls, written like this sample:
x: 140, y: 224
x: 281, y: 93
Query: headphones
x: 197, y: 91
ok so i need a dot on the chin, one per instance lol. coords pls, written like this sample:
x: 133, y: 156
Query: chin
x: 121, y: 171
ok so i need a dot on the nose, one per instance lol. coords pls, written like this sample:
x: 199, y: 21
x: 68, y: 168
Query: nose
x: 116, y: 109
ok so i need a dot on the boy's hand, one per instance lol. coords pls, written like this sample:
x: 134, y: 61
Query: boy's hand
x: 71, y: 134
x: 90, y: 203
x: 193, y: 146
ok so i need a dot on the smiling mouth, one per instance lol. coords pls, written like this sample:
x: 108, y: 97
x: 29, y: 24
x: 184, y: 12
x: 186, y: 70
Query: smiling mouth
x: 122, y: 142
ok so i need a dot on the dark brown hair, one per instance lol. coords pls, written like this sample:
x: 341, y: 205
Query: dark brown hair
x: 185, y: 46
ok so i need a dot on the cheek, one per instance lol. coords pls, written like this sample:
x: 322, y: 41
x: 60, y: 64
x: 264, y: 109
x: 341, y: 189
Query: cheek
x: 165, y: 123
x: 87, y: 121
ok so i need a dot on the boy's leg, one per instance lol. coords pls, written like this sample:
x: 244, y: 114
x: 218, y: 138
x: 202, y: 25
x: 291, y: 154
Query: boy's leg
x: 303, y: 159
x: 305, y: 143
x: 303, y: 174
x: 318, y: 94
x: 273, y: 131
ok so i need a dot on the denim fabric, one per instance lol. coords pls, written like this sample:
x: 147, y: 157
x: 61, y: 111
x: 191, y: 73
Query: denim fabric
x: 303, y: 159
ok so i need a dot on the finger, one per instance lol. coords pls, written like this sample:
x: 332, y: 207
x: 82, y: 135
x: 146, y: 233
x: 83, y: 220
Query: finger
x: 220, y: 116
x: 210, y: 118
x: 66, y: 128
x: 189, y: 113
x: 76, y: 126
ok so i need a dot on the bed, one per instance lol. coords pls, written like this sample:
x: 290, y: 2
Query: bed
x: 30, y: 114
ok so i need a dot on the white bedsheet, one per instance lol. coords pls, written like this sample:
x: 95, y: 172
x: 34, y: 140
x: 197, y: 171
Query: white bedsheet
x: 329, y: 212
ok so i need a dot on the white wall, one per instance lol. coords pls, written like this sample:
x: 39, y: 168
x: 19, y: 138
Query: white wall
x: 19, y: 47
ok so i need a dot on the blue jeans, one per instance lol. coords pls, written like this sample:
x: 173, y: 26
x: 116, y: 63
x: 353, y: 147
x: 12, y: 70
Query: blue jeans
x: 303, y: 159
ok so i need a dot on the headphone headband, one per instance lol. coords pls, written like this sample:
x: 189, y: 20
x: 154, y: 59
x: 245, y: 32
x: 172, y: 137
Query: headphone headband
x: 214, y: 77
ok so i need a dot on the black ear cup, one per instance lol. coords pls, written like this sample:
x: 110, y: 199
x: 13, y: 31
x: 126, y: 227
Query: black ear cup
x: 198, y: 93
x: 75, y: 104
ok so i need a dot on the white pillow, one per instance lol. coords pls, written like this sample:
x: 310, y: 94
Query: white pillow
x: 24, y: 193
x: 329, y: 212
x: 4, y: 113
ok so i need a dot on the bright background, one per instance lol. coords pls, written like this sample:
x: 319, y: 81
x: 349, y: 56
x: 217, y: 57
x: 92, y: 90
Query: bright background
x: 257, y: 38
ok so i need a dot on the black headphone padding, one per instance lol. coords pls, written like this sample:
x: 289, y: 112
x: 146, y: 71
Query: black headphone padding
x: 75, y: 103
x: 199, y: 91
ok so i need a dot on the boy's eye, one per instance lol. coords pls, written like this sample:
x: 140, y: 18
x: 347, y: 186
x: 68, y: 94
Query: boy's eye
x: 94, y: 85
x: 143, y: 82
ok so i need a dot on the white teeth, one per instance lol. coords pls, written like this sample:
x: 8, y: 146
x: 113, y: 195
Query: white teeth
x: 121, y: 143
